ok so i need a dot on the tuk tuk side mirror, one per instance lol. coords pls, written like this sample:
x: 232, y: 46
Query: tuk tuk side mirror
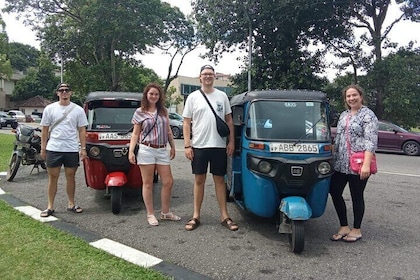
x: 238, y: 115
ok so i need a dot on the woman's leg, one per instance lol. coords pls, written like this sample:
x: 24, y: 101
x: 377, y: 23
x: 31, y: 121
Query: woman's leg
x: 165, y: 175
x: 338, y: 183
x: 357, y: 188
x: 147, y: 172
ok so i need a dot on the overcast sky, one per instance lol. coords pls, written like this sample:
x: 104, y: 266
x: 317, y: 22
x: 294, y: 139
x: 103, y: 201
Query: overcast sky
x: 402, y: 33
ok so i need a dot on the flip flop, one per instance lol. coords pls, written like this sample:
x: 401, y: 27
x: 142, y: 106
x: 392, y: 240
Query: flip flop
x: 229, y: 224
x: 75, y: 209
x: 192, y: 224
x: 338, y: 236
x: 353, y: 238
x: 46, y: 213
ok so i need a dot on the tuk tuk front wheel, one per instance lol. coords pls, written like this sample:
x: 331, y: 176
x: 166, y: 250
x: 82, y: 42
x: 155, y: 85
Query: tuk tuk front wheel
x: 116, y: 199
x: 13, y: 167
x: 297, y: 237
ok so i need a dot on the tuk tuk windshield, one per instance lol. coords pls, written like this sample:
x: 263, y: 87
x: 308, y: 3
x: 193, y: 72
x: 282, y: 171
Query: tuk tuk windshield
x: 111, y: 115
x: 287, y: 120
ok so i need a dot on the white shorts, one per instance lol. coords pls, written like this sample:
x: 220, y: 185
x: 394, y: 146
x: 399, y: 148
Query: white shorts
x: 149, y: 155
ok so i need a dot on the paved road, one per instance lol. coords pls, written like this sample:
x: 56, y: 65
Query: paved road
x: 390, y: 247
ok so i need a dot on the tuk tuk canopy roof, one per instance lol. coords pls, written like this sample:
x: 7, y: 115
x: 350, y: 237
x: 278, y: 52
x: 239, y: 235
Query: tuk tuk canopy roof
x: 113, y: 95
x: 279, y: 95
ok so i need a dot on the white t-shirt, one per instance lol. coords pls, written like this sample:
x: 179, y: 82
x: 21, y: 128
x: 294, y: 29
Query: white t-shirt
x: 204, y: 130
x: 65, y: 136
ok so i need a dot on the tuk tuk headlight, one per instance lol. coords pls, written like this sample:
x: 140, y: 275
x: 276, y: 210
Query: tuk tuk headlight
x: 324, y: 168
x: 264, y: 167
x: 94, y: 151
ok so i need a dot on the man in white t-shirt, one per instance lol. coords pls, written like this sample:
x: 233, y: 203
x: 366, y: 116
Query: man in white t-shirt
x: 63, y: 128
x: 206, y: 145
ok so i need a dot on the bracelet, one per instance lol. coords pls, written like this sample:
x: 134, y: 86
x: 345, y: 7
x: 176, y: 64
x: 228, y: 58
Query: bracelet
x: 83, y: 148
x: 186, y: 147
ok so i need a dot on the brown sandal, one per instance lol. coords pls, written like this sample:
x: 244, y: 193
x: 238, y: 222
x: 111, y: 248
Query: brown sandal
x: 192, y: 224
x: 229, y: 224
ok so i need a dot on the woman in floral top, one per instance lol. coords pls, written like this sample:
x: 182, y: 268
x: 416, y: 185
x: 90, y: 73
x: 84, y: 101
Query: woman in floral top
x: 358, y: 128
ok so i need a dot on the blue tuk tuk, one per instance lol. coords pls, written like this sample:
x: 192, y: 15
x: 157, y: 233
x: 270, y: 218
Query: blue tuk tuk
x: 282, y: 162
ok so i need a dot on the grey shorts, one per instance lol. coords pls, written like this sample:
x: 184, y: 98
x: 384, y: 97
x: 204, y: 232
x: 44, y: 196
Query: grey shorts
x: 68, y: 159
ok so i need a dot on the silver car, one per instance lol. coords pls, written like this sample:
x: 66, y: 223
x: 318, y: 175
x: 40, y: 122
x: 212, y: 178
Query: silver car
x: 176, y: 122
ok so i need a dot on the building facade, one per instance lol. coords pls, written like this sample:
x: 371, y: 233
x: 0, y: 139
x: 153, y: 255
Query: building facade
x: 6, y: 89
x: 185, y: 85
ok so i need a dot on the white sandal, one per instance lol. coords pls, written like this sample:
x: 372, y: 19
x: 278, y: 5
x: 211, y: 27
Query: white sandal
x: 169, y: 216
x: 151, y: 219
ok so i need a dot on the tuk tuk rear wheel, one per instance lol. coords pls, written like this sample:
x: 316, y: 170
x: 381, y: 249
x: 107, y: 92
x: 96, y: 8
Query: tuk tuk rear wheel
x: 13, y: 167
x: 116, y: 199
x: 297, y: 238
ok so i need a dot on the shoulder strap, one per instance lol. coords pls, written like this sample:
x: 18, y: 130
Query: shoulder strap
x: 208, y: 102
x: 154, y: 124
x: 347, y: 134
x: 60, y: 119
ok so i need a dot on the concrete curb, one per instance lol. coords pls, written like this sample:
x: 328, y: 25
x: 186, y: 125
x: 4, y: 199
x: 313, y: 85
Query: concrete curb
x: 114, y: 248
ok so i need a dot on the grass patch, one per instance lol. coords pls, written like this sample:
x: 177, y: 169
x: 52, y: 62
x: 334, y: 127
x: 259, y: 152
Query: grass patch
x: 33, y: 250
x: 6, y: 148
x: 30, y: 249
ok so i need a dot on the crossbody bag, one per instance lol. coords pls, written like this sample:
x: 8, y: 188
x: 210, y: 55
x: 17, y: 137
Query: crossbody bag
x: 222, y: 127
x: 356, y: 159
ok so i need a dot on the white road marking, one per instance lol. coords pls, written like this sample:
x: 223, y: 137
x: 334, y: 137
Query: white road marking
x: 399, y: 174
x: 127, y: 253
x: 35, y: 213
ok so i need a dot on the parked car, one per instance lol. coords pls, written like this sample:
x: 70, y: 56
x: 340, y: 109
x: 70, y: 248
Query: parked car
x: 17, y: 115
x: 7, y: 120
x: 391, y: 137
x: 176, y: 121
x: 36, y: 118
x: 29, y: 119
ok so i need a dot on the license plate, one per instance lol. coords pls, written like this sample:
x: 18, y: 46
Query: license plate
x: 113, y: 136
x: 300, y: 148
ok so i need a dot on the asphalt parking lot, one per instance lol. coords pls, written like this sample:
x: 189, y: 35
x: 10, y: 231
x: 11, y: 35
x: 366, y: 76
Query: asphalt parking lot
x: 389, y: 249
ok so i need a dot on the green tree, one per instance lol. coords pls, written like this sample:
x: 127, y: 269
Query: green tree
x: 370, y: 16
x: 282, y: 32
x: 401, y: 74
x: 99, y: 38
x: 171, y: 99
x: 39, y: 80
x: 23, y: 56
x: 6, y: 70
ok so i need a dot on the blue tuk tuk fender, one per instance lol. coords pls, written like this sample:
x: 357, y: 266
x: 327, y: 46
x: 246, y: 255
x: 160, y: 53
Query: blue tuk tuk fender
x: 295, y: 208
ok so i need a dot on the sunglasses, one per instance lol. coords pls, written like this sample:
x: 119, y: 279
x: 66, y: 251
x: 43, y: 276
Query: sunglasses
x: 64, y: 90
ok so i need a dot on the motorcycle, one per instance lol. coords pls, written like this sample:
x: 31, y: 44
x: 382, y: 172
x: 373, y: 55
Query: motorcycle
x: 107, y: 142
x: 282, y: 164
x: 26, y: 150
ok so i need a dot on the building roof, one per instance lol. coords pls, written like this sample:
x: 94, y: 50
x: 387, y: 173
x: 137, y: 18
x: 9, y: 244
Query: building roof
x: 36, y: 101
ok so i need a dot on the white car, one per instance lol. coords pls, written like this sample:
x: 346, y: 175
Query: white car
x: 17, y: 115
x: 36, y: 118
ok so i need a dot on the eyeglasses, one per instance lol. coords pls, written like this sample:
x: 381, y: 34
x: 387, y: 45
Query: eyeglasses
x: 64, y: 90
x: 207, y: 75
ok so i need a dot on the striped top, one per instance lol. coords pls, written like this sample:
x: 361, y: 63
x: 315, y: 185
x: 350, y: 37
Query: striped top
x: 159, y: 134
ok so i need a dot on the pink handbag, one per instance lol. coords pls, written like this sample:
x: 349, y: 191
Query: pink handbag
x: 356, y: 159
x: 356, y: 162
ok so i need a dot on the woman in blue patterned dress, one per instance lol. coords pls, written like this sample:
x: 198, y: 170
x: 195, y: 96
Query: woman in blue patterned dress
x: 357, y: 131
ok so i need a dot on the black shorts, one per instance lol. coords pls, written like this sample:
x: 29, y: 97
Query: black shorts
x: 217, y: 158
x: 68, y: 159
